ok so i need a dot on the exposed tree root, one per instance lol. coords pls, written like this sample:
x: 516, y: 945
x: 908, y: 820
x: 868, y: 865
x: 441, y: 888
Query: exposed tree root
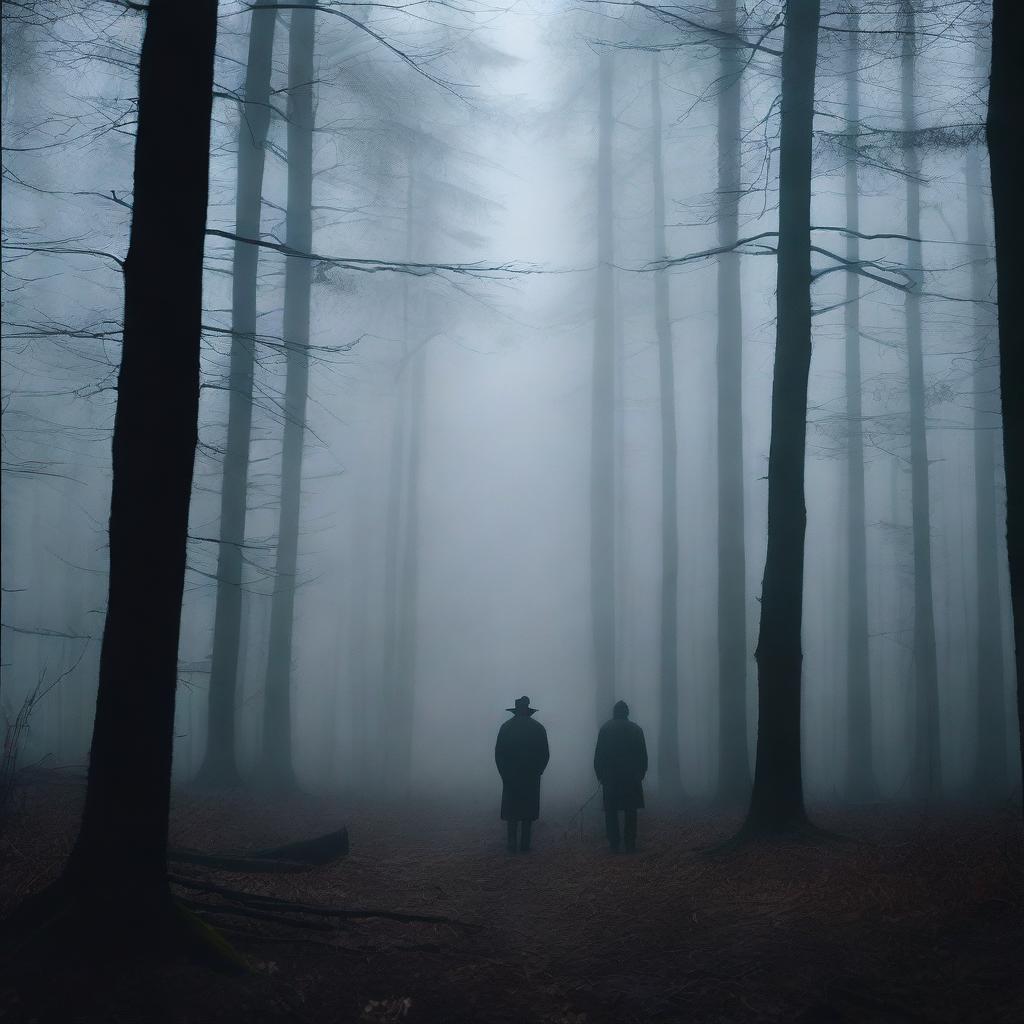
x: 259, y: 915
x: 72, y: 921
x: 270, y: 903
x: 241, y: 865
x: 287, y: 859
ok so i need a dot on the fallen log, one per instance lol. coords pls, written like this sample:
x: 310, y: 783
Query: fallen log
x: 288, y: 859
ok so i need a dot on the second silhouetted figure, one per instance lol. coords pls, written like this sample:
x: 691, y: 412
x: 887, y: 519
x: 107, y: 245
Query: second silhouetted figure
x: 620, y: 763
x: 521, y: 755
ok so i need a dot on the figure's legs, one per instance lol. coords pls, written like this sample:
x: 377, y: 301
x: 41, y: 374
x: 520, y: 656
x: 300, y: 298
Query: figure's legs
x: 630, y: 829
x: 512, y: 836
x: 524, y: 838
x: 611, y: 824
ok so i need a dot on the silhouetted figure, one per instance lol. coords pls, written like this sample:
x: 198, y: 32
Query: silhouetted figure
x: 521, y: 755
x: 620, y: 762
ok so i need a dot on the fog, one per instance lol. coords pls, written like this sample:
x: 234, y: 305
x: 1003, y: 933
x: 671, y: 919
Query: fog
x: 445, y: 561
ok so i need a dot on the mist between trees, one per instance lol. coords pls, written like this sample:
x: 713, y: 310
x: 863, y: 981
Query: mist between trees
x: 490, y: 306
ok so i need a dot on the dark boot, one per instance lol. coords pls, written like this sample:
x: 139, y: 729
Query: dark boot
x: 524, y: 838
x: 511, y: 836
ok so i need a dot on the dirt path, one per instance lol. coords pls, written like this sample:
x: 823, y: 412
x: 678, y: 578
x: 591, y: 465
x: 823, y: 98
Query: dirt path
x: 910, y: 919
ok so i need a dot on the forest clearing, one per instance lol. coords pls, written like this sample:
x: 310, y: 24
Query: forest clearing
x: 901, y: 917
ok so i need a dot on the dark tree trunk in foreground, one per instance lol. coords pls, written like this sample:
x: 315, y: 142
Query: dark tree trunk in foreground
x: 990, y: 761
x: 602, y: 454
x: 276, y: 765
x: 669, y: 779
x: 219, y: 766
x: 733, y: 756
x: 777, y: 798
x: 860, y: 773
x: 925, y: 768
x: 1006, y: 159
x: 120, y: 857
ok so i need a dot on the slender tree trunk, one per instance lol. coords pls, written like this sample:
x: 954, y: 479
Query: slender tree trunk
x: 276, y: 768
x: 623, y: 622
x: 926, y: 771
x: 219, y: 766
x: 990, y: 762
x: 733, y: 756
x: 329, y: 720
x: 359, y: 628
x: 402, y: 705
x: 120, y: 857
x: 669, y: 778
x: 602, y: 454
x: 408, y: 597
x: 1006, y: 161
x: 777, y: 799
x: 392, y: 560
x: 391, y: 722
x: 860, y: 772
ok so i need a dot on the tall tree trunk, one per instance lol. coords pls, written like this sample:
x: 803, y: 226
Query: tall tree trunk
x: 392, y: 562
x: 926, y: 770
x: 1006, y: 161
x: 408, y: 595
x: 623, y: 622
x: 120, y: 857
x: 602, y: 454
x: 733, y: 755
x: 360, y: 589
x: 276, y: 767
x: 860, y: 772
x: 401, y: 582
x: 414, y: 365
x: 669, y: 779
x: 219, y: 767
x: 777, y: 799
x: 990, y: 762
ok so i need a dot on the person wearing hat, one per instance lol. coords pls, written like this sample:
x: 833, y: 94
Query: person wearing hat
x: 521, y: 755
x: 620, y: 763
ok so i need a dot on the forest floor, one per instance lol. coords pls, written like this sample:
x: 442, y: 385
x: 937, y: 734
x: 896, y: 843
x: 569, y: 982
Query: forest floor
x: 907, y: 918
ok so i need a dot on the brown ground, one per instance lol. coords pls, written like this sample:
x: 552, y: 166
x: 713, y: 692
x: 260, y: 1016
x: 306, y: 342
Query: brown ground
x: 909, y: 919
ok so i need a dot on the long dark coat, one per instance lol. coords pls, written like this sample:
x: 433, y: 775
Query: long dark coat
x: 521, y: 755
x: 620, y: 763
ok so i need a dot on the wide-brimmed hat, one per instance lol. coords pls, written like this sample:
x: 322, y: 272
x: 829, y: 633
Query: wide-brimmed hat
x: 523, y: 706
